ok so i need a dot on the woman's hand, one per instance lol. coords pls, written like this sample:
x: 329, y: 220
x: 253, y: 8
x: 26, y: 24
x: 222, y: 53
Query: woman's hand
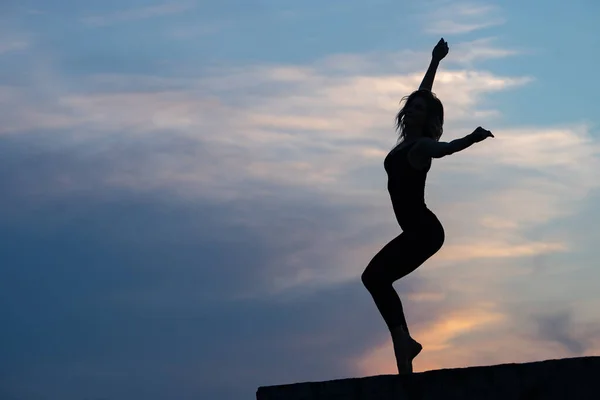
x: 440, y: 50
x: 480, y: 134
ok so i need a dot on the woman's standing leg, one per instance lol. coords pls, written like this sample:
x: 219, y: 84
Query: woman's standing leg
x: 398, y: 258
x: 386, y: 267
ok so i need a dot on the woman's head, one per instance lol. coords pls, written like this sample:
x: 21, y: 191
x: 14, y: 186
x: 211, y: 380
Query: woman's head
x: 422, y: 114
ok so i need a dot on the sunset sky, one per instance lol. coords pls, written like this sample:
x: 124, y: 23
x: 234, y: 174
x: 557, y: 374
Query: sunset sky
x: 190, y: 190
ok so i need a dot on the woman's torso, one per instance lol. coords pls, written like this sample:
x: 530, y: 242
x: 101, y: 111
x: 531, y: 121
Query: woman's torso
x: 406, y: 185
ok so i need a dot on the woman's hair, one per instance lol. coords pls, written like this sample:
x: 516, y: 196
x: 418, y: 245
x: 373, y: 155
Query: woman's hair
x: 435, y: 109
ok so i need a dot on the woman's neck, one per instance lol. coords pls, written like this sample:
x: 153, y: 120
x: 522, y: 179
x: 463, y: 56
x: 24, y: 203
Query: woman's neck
x: 412, y: 133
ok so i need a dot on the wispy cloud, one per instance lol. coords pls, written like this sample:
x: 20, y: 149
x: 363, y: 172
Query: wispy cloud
x: 467, y: 53
x: 559, y: 328
x: 282, y: 163
x: 457, y: 18
x: 205, y: 29
x: 8, y: 45
x: 310, y: 123
x: 138, y: 13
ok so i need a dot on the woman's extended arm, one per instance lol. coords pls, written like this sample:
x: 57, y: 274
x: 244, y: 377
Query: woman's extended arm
x: 427, y: 148
x: 439, y: 52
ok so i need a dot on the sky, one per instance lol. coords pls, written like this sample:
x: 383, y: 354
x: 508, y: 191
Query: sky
x: 190, y: 191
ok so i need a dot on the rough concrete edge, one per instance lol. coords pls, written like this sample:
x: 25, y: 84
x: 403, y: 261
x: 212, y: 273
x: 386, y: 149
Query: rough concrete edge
x: 422, y: 374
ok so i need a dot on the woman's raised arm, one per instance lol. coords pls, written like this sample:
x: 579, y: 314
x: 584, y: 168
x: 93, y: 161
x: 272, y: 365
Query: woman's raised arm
x: 439, y: 52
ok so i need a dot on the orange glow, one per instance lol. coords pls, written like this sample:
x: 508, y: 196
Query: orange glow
x: 437, y: 349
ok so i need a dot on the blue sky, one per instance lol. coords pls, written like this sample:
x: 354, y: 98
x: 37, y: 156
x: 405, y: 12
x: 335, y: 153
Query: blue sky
x: 191, y: 191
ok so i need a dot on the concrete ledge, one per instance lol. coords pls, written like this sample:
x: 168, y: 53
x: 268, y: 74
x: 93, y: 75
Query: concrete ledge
x: 570, y: 378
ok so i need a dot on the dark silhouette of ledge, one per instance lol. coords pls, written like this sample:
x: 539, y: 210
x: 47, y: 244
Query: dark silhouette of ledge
x: 570, y: 378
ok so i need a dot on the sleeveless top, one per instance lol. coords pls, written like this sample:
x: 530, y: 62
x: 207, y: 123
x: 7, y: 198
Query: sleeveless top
x: 406, y: 184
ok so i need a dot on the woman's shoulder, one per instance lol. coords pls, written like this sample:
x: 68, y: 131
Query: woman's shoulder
x: 418, y: 159
x: 404, y: 144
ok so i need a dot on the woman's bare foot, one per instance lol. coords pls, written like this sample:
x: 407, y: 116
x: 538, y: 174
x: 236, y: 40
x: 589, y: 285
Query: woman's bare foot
x: 415, y: 348
x: 405, y: 350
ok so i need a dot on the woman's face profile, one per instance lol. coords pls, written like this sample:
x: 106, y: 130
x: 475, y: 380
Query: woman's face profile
x: 415, y: 113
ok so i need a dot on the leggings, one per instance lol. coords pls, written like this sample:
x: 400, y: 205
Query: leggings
x: 421, y: 238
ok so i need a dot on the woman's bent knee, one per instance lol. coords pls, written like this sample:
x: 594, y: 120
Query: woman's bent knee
x: 370, y: 279
x: 366, y: 278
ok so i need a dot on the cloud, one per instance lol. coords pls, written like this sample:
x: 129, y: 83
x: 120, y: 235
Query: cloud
x: 199, y: 30
x: 436, y: 333
x: 558, y: 328
x: 451, y: 18
x: 135, y: 14
x: 316, y: 133
x: 468, y: 53
x: 7, y: 46
x: 155, y: 277
x: 225, y: 218
x: 458, y: 328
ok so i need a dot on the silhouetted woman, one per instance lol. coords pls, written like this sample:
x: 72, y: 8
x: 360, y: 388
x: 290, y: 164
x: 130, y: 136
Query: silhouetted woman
x: 419, y: 123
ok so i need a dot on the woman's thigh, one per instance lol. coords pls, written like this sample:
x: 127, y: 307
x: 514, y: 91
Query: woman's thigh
x: 403, y: 254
